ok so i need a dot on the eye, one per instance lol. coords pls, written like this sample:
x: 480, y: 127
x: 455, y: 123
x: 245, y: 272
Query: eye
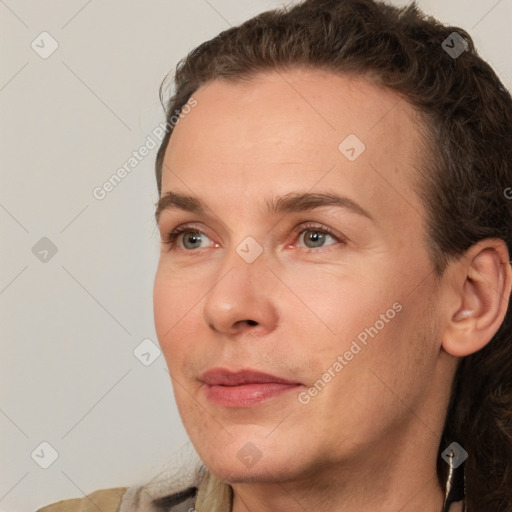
x: 314, y: 236
x: 191, y: 237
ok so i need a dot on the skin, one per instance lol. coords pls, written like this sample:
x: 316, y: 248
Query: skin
x: 369, y: 440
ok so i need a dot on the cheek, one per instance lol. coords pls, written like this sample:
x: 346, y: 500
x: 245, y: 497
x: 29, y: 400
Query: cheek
x: 170, y: 309
x: 162, y: 308
x: 398, y: 361
x: 343, y: 308
x: 369, y: 327
x: 173, y: 299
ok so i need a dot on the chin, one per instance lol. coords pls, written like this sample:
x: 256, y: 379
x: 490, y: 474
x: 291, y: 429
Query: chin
x: 260, y: 473
x: 243, y: 462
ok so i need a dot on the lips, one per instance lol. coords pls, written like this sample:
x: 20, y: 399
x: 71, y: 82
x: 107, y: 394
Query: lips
x: 224, y: 377
x: 244, y: 388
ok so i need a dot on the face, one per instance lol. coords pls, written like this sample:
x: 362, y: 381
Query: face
x: 328, y: 298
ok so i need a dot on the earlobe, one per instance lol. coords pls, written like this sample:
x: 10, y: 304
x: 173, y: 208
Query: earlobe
x: 480, y: 293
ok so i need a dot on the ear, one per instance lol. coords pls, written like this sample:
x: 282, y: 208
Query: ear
x: 478, y: 295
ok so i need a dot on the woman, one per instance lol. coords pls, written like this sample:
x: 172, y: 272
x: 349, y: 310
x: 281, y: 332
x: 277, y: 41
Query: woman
x: 341, y: 340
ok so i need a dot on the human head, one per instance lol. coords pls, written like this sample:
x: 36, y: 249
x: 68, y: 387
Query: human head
x: 464, y: 170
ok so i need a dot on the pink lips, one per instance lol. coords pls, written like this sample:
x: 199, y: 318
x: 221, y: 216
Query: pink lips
x: 244, y: 388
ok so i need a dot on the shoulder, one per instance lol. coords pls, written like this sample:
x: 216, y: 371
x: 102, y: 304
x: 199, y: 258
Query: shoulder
x: 137, y: 499
x: 106, y: 500
x: 128, y: 499
x: 173, y: 491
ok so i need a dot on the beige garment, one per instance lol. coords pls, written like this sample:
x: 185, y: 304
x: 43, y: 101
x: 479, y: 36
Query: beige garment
x: 106, y: 500
x: 212, y: 496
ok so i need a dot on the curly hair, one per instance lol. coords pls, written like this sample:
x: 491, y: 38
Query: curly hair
x: 466, y: 168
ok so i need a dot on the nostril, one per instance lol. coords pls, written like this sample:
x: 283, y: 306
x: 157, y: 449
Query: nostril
x: 252, y: 322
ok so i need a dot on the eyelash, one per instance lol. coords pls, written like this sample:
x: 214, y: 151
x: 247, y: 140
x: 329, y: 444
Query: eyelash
x: 320, y: 228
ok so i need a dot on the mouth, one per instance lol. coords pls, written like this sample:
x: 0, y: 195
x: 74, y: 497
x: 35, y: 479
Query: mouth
x: 245, y: 388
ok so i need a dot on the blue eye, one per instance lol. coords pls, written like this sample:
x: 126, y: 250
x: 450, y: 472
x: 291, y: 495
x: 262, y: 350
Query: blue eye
x: 318, y: 234
x: 192, y: 236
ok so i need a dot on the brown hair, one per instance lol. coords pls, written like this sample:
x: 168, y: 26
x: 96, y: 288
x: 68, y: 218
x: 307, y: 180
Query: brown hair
x: 467, y: 118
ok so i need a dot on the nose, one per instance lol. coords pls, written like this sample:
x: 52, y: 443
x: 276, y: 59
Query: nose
x: 243, y: 298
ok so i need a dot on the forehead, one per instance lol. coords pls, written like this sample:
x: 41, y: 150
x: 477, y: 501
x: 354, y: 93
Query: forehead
x: 299, y: 129
x: 310, y: 103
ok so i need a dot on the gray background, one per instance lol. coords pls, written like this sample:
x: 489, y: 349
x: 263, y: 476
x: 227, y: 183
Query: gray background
x: 70, y: 323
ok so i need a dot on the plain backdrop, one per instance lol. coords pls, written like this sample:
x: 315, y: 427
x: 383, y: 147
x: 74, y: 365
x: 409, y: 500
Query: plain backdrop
x: 77, y: 272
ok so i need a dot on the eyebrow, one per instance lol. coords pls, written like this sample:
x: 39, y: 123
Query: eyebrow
x: 288, y: 203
